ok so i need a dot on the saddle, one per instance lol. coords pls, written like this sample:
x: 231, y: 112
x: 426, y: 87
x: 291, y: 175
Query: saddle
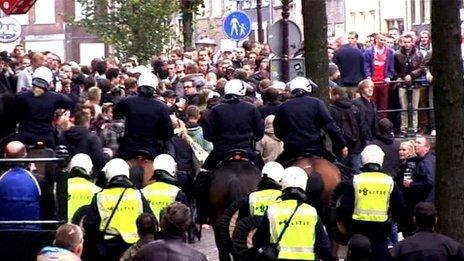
x: 236, y: 155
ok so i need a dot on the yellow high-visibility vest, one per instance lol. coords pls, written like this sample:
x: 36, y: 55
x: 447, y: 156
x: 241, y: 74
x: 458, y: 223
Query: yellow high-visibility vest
x: 260, y: 200
x: 160, y: 195
x: 123, y: 221
x: 372, y: 192
x: 80, y: 193
x: 298, y: 240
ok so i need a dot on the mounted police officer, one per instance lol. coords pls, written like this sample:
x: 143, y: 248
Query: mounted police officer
x: 366, y: 204
x: 299, y: 123
x: 148, y: 124
x: 164, y: 190
x: 80, y: 187
x: 292, y: 225
x: 233, y: 124
x: 110, y: 222
x: 36, y: 109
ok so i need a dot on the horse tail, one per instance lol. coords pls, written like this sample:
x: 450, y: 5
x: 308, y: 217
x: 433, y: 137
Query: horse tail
x: 236, y: 191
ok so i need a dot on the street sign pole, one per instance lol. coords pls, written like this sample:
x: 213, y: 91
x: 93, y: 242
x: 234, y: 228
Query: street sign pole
x: 259, y: 16
x: 285, y: 52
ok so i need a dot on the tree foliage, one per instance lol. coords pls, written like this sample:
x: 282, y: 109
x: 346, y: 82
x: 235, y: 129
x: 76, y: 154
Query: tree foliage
x: 131, y: 27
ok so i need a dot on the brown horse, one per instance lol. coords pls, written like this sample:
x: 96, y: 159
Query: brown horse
x: 230, y: 182
x: 323, y: 177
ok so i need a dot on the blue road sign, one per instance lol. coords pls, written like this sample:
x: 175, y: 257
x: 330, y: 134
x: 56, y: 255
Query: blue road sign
x: 237, y: 25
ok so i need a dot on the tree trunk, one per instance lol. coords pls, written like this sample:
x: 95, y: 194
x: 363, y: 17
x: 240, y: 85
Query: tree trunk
x: 187, y: 25
x: 449, y: 115
x: 315, y: 45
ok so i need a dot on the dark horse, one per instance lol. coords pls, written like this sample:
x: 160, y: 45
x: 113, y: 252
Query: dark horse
x: 231, y: 181
x: 323, y: 178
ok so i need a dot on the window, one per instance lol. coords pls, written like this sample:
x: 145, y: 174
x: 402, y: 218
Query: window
x: 88, y: 51
x: 78, y: 12
x: 420, y: 11
x: 23, y: 19
x: 45, y: 12
x: 216, y: 8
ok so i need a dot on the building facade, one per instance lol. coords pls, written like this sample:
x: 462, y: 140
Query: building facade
x: 45, y: 28
x: 209, y: 22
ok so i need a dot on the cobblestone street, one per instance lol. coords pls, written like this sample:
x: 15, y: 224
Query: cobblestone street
x: 207, y: 245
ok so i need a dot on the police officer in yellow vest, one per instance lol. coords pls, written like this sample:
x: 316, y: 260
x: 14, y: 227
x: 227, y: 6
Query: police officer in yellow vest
x: 269, y: 189
x: 305, y: 237
x: 164, y: 191
x: 110, y: 222
x: 80, y: 187
x: 370, y: 201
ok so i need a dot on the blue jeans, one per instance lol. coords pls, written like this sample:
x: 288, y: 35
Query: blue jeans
x: 354, y: 161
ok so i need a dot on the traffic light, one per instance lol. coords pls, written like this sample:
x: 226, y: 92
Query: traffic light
x: 11, y: 7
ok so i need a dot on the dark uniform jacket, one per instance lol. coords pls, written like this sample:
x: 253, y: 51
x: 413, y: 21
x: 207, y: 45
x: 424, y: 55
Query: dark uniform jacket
x: 299, y: 123
x: 147, y: 124
x: 427, y: 245
x: 233, y: 124
x: 35, y: 114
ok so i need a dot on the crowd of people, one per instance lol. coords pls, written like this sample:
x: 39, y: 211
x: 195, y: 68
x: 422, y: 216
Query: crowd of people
x: 140, y: 135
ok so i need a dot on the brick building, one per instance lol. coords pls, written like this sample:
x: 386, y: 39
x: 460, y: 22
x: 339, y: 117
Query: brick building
x: 44, y: 28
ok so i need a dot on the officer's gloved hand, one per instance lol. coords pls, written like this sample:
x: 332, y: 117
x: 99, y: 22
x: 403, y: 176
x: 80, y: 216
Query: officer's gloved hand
x: 62, y: 152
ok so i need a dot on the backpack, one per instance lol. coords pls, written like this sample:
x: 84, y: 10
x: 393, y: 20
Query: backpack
x: 349, y: 123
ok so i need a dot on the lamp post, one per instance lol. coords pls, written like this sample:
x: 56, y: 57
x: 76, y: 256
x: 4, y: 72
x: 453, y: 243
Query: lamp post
x: 259, y: 16
x: 285, y: 50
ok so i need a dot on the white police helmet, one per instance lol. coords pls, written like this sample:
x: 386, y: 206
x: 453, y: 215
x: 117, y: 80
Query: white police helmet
x: 116, y: 167
x: 279, y: 85
x: 42, y: 77
x: 294, y: 177
x: 301, y: 83
x: 148, y: 79
x: 236, y: 87
x: 81, y: 160
x: 273, y: 170
x: 372, y: 154
x: 165, y: 162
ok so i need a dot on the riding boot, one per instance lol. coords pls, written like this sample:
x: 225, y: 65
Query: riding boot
x: 201, y: 187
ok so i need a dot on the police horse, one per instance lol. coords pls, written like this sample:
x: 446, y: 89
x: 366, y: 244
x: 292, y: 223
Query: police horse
x: 232, y: 180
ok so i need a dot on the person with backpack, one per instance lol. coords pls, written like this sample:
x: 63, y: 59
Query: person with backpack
x: 348, y: 118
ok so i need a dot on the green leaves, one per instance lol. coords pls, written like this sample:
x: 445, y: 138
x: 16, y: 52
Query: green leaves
x: 131, y: 27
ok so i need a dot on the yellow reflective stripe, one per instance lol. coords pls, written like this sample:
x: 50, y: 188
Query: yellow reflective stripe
x: 296, y: 253
x: 295, y: 249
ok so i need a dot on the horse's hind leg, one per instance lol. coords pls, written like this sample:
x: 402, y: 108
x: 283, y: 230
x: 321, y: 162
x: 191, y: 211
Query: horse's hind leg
x: 223, y: 251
